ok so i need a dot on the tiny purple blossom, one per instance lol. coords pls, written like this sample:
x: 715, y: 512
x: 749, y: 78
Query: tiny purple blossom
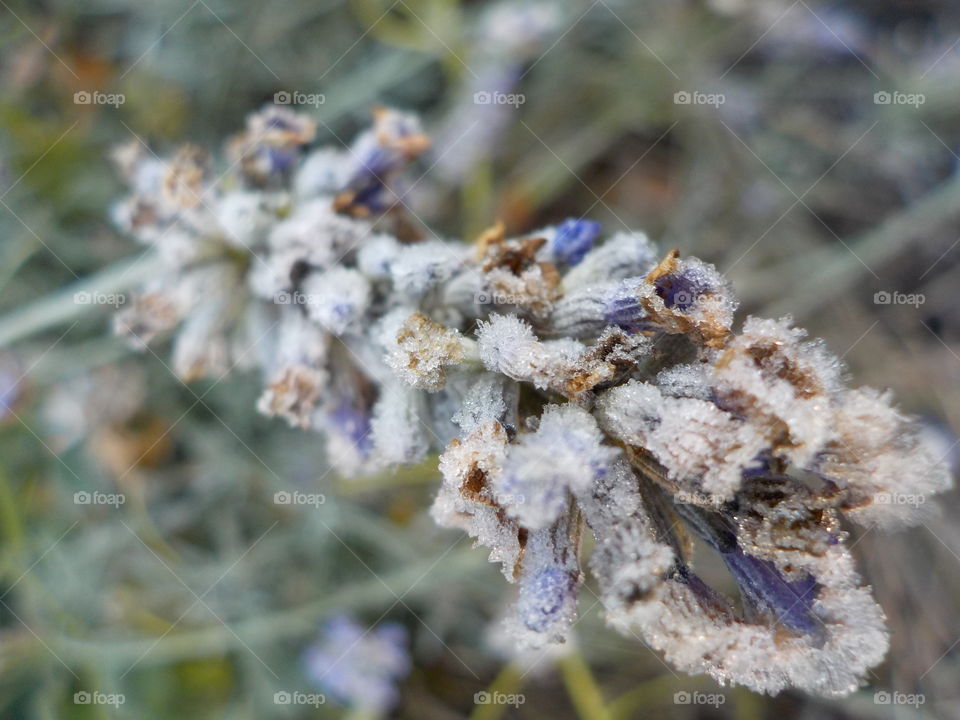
x: 359, y: 667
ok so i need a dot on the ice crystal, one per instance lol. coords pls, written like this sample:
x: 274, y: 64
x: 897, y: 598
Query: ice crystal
x: 568, y: 383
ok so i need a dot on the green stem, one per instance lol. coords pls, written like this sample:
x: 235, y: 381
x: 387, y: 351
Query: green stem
x: 61, y: 307
x: 645, y: 694
x: 269, y: 629
x: 584, y: 691
x: 507, y: 682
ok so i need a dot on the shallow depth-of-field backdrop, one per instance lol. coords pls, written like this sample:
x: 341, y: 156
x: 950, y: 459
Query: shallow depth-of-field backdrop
x: 810, y: 150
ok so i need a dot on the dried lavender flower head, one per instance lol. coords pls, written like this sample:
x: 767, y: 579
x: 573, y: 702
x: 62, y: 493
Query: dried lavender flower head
x: 571, y: 385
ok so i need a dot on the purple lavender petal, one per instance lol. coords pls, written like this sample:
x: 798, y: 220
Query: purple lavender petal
x: 574, y: 238
x: 764, y: 588
x: 543, y: 597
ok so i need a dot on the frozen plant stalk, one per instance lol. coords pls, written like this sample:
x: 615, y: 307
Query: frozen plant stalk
x: 572, y: 385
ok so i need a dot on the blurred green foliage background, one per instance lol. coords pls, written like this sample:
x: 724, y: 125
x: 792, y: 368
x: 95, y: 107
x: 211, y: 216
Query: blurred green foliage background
x: 196, y: 597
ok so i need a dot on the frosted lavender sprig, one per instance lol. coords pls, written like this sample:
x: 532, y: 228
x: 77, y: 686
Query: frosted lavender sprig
x: 570, y: 385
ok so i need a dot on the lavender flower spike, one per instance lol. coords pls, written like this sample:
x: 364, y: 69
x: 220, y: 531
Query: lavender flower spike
x: 570, y: 384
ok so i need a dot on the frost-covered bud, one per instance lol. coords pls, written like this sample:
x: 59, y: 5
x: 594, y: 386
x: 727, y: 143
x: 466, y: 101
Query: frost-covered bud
x: 359, y: 667
x: 783, y: 385
x: 703, y: 448
x: 376, y: 256
x: 547, y: 587
x: 690, y: 381
x: 586, y: 311
x: 424, y: 265
x: 689, y: 297
x: 423, y: 350
x: 205, y: 304
x: 299, y: 376
x: 312, y: 237
x: 323, y: 173
x: 810, y: 623
x: 566, y: 454
x: 139, y: 168
x: 378, y: 156
x: 625, y: 255
x: 531, y: 291
x: 270, y: 146
x: 514, y: 275
x: 346, y: 424
x: 466, y: 498
x: 147, y: 316
x: 629, y: 561
x: 398, y: 432
x: 490, y: 397
x: 884, y: 466
x: 245, y: 218
x: 507, y: 345
x: 337, y: 299
x: 571, y: 240
x: 186, y: 177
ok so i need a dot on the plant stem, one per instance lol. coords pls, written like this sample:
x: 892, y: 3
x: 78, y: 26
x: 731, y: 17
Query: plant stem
x: 584, y: 691
x: 61, y: 307
x: 507, y: 682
